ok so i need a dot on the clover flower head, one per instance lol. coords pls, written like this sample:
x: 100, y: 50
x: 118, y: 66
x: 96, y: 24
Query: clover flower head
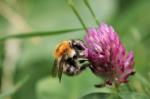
x: 107, y: 55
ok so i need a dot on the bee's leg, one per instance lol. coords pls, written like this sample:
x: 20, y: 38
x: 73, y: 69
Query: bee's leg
x: 84, y: 63
x: 107, y: 82
x: 84, y: 66
x: 100, y: 85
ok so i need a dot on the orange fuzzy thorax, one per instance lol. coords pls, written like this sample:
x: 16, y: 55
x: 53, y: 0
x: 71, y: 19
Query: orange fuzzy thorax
x: 62, y: 48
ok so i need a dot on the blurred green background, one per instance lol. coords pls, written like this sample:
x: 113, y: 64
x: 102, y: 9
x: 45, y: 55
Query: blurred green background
x: 25, y: 64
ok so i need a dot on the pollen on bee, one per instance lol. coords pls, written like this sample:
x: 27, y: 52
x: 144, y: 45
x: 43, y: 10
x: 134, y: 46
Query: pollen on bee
x: 62, y: 48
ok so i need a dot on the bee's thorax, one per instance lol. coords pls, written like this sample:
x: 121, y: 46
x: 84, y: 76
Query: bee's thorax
x: 62, y: 49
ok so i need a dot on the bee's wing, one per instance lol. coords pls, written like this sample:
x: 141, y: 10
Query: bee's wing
x: 54, y: 71
x: 60, y: 72
x: 60, y: 68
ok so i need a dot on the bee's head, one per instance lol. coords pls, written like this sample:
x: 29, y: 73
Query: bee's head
x: 78, y: 45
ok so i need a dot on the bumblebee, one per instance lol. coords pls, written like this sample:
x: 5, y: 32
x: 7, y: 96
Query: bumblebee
x: 69, y: 58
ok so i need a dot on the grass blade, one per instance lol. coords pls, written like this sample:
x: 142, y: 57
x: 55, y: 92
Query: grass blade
x: 92, y: 12
x: 35, y: 34
x: 15, y: 89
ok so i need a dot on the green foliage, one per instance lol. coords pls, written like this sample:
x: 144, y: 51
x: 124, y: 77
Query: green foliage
x: 16, y: 88
x: 130, y: 18
x: 70, y: 89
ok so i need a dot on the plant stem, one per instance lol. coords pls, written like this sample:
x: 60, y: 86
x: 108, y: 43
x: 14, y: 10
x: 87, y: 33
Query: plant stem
x: 117, y: 88
x: 91, y: 11
x: 71, y: 4
x: 129, y: 87
x: 37, y: 34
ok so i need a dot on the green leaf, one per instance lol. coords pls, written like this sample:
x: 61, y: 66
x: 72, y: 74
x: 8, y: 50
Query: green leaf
x: 146, y: 38
x: 15, y: 89
x: 50, y: 88
x: 100, y: 96
x: 133, y: 95
x: 35, y: 34
x: 1, y: 56
x: 94, y: 90
x: 143, y: 80
x: 70, y: 87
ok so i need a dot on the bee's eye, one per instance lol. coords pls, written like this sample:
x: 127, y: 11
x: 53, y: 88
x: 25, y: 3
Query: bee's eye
x: 78, y: 47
